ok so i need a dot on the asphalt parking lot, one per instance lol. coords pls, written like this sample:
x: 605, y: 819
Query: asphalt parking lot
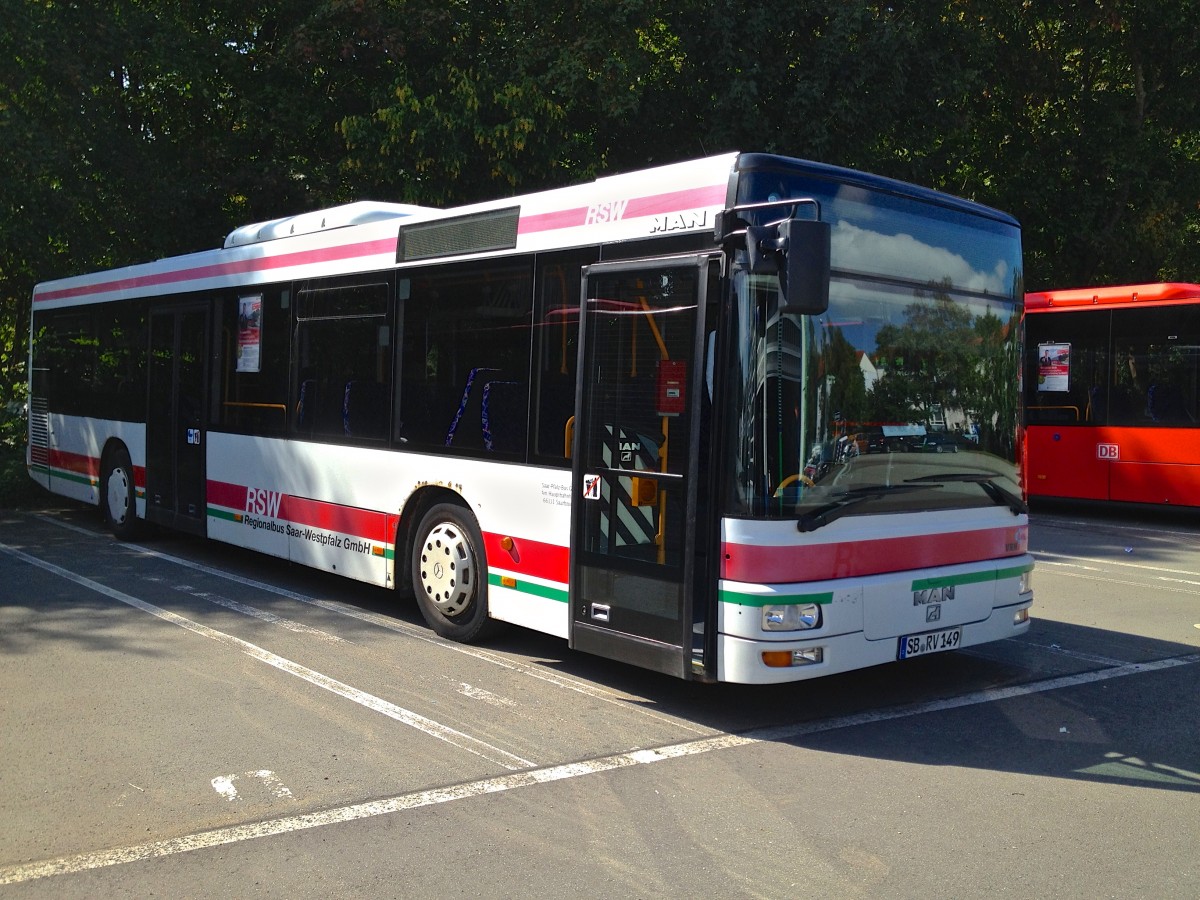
x: 184, y: 719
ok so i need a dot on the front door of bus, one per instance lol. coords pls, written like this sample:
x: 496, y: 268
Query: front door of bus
x: 175, y: 470
x: 637, y: 430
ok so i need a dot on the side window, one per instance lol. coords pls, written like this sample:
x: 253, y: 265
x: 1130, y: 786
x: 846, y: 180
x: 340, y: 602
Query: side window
x: 252, y: 395
x: 1068, y: 377
x: 93, y: 361
x: 463, y: 383
x: 67, y: 351
x: 1156, y: 367
x: 343, y: 359
x: 557, y: 350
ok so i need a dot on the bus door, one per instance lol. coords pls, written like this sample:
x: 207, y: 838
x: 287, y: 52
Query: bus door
x: 635, y: 540
x: 175, y: 470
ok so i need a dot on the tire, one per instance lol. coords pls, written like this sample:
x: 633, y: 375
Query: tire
x: 118, y: 495
x: 449, y: 574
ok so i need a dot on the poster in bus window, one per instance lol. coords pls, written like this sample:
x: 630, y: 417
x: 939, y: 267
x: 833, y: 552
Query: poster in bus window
x: 1054, y: 367
x: 249, y: 333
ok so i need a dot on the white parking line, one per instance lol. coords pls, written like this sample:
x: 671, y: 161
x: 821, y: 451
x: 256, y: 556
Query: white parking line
x: 289, y: 824
x: 400, y: 714
x: 1048, y: 555
x: 592, y: 691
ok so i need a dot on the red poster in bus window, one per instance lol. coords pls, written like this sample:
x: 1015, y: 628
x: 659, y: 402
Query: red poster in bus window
x: 1054, y: 367
x: 249, y: 333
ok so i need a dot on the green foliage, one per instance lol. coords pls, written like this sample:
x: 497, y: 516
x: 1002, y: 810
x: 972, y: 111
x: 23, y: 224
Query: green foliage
x: 141, y: 128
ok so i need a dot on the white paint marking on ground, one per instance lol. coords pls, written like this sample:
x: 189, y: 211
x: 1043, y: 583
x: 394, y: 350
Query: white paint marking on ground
x: 224, y: 785
x: 289, y: 824
x: 1067, y: 565
x: 1140, y: 584
x: 560, y: 681
x: 1074, y: 654
x: 1046, y: 554
x: 478, y: 693
x: 400, y: 714
x: 1179, y: 580
x: 261, y: 614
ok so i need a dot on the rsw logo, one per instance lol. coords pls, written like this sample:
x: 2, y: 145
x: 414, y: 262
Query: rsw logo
x: 262, y: 502
x: 606, y: 212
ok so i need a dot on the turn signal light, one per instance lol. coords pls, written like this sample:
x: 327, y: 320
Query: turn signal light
x: 784, y: 659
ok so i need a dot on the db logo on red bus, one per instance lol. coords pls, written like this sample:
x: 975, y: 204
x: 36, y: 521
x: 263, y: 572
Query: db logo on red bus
x: 1108, y: 451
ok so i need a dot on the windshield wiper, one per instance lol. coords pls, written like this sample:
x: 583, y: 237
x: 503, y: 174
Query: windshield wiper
x: 999, y: 495
x: 838, y: 506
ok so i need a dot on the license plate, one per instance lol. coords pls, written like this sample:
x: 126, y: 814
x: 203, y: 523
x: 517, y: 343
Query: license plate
x: 931, y: 642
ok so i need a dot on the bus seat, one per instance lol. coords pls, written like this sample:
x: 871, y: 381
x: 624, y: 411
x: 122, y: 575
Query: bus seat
x: 1165, y: 403
x: 364, y: 409
x: 462, y: 405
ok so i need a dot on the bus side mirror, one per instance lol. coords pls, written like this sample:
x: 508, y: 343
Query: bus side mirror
x: 805, y: 279
x: 798, y: 251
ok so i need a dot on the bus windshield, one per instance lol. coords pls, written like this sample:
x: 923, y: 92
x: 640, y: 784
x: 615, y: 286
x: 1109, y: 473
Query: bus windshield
x: 899, y: 397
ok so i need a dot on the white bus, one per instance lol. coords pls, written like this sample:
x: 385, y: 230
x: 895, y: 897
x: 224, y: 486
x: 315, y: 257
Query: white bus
x: 591, y: 411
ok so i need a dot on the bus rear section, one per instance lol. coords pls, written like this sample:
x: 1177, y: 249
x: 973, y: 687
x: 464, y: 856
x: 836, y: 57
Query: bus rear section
x: 1112, y: 394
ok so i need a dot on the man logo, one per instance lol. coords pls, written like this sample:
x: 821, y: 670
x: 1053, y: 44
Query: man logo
x: 933, y: 595
x: 933, y: 613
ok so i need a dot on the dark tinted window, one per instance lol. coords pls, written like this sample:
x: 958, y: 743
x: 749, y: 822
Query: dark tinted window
x: 557, y: 348
x: 343, y: 359
x: 1113, y: 367
x: 254, y: 332
x: 464, y: 368
x: 92, y: 361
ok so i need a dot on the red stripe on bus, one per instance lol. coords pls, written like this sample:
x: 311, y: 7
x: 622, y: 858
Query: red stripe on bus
x: 232, y: 496
x: 777, y: 565
x: 528, y: 557
x: 657, y: 204
x: 74, y: 462
x: 367, y: 524
x: 217, y: 270
x: 362, y: 523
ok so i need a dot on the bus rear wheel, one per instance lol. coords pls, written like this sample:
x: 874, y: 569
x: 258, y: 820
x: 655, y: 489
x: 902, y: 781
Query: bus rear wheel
x: 118, y: 495
x: 449, y: 574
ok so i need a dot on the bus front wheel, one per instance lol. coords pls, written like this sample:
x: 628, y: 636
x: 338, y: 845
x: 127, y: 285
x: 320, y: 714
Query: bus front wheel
x: 449, y: 574
x: 118, y: 495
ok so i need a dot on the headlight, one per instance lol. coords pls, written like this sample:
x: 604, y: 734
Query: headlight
x: 1025, y: 584
x: 791, y: 617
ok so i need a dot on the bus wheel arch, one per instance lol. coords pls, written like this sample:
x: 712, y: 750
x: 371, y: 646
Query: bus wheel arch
x: 448, y: 568
x: 118, y: 491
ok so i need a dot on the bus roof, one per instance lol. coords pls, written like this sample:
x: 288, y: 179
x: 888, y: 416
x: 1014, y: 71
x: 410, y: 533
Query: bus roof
x: 671, y: 199
x: 678, y: 197
x: 1113, y: 295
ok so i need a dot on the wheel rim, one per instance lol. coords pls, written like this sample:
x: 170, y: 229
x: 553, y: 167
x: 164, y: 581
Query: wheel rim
x: 447, y: 565
x: 118, y: 495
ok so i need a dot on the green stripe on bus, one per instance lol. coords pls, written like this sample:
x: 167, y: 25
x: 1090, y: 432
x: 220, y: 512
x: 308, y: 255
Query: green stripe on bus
x: 64, y: 475
x: 740, y: 599
x: 215, y: 512
x: 924, y: 584
x: 528, y: 587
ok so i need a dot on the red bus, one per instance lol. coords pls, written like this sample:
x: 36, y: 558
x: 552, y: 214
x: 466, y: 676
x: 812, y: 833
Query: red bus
x: 1112, y: 393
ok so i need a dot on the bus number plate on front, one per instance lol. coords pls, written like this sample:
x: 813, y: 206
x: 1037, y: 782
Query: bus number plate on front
x: 932, y: 642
